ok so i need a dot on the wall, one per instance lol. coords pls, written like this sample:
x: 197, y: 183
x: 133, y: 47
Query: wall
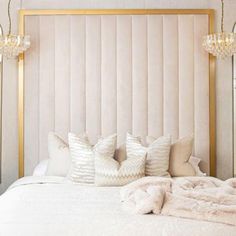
x: 223, y: 80
x: 9, y: 130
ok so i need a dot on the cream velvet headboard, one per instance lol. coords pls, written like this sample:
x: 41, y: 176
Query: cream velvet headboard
x: 105, y: 71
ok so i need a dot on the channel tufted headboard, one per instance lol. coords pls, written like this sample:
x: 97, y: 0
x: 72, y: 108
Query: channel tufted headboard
x: 105, y: 71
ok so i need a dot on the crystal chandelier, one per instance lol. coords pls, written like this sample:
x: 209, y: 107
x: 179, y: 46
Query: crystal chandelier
x: 222, y: 44
x: 12, y: 45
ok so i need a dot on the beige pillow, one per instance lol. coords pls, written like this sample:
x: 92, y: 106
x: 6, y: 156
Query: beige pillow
x: 180, y: 153
x: 120, y: 154
x: 195, y: 161
x: 109, y: 172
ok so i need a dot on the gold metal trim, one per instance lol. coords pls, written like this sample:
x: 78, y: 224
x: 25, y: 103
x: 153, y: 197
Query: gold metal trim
x: 212, y: 65
x: 212, y: 101
x: 117, y: 12
x: 21, y: 100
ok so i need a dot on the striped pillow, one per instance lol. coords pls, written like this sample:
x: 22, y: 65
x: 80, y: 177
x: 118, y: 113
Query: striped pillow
x: 157, y: 162
x: 83, y: 155
x: 109, y: 172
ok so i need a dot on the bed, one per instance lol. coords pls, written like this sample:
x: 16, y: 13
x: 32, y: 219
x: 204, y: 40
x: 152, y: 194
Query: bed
x: 140, y: 75
x: 52, y: 206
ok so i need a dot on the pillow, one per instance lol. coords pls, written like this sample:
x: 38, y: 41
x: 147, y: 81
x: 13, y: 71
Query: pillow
x: 83, y: 156
x: 109, y: 172
x: 180, y: 153
x: 120, y: 154
x: 194, y: 161
x: 59, y: 156
x: 41, y: 168
x: 157, y: 162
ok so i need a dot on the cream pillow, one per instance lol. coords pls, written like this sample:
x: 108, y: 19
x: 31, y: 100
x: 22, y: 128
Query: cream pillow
x: 157, y: 162
x: 109, y: 172
x: 195, y: 161
x: 180, y: 153
x: 83, y: 155
x: 59, y: 156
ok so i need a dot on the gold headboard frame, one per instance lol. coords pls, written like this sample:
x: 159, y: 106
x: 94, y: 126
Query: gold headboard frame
x: 209, y: 12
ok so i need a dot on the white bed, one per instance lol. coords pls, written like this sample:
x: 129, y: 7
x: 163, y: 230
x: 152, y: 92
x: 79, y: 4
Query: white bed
x: 52, y: 206
x: 135, y: 77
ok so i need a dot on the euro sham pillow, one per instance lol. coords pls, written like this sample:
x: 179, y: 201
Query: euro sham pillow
x: 195, y: 161
x: 59, y: 156
x: 83, y: 155
x: 157, y: 162
x: 180, y: 153
x: 109, y: 172
x: 41, y: 168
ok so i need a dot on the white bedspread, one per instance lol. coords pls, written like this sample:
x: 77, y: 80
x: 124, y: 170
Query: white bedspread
x: 49, y: 206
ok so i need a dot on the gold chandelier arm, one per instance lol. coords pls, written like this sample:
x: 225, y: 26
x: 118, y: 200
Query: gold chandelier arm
x: 234, y: 27
x: 9, y: 16
x: 222, y: 15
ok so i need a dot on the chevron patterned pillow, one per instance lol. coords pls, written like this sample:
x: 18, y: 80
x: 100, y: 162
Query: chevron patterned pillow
x: 109, y: 172
x: 83, y: 155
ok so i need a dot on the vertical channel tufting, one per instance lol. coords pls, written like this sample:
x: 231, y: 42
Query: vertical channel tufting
x: 31, y: 127
x: 77, y: 69
x: 108, y: 78
x: 139, y: 74
x: 171, y: 83
x: 142, y: 74
x: 46, y: 82
x: 155, y: 75
x: 201, y: 92
x: 124, y: 76
x: 93, y: 77
x: 62, y: 74
x: 186, y: 77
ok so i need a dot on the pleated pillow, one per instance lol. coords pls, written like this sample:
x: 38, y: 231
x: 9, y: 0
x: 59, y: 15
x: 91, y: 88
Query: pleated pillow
x: 157, y: 162
x: 109, y: 172
x: 83, y: 155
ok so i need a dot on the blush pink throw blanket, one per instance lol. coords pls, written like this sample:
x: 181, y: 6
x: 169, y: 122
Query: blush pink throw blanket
x: 200, y: 198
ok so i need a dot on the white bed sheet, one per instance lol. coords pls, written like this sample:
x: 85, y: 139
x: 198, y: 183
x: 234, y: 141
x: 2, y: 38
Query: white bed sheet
x: 50, y: 206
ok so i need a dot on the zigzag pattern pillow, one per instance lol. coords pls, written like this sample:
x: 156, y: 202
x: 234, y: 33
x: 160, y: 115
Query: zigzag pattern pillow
x: 83, y: 155
x: 109, y: 172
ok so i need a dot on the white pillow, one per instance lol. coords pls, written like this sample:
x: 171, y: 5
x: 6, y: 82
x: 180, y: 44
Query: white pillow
x: 59, y: 156
x: 41, y: 168
x: 157, y: 162
x: 109, y: 172
x: 83, y: 156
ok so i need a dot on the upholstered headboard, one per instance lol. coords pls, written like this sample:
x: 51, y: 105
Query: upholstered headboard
x: 105, y: 71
